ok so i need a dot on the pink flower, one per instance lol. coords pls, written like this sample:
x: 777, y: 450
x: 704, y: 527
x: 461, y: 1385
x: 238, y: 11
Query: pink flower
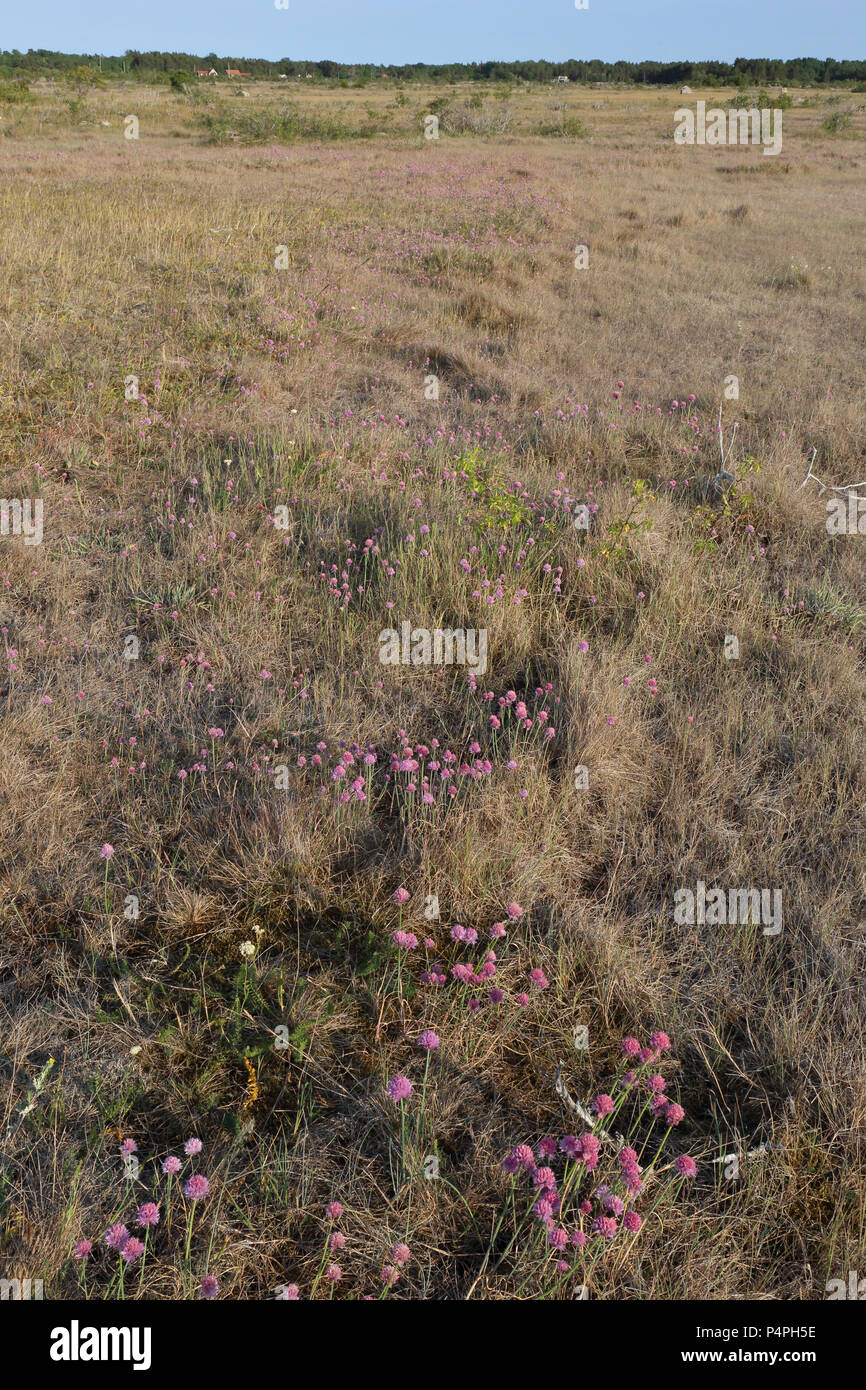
x: 209, y: 1287
x: 401, y: 896
x: 192, y: 1146
x: 390, y: 1275
x: 334, y: 1210
x: 401, y: 1254
x: 630, y: 1047
x: 544, y: 1177
x: 429, y: 1040
x: 539, y: 979
x: 333, y: 1274
x: 148, y: 1214
x: 514, y: 910
x: 399, y: 1088
x: 605, y: 1226
x: 171, y: 1165
x: 116, y: 1236
x: 290, y: 1293
x: 674, y: 1113
x: 196, y: 1187
x: 686, y: 1166
x: 603, y: 1105
x: 129, y: 1146
x: 82, y: 1249
x: 632, y: 1221
x: 132, y: 1249
x: 558, y: 1238
x: 657, y: 1083
x: 337, y: 1241
x: 660, y: 1041
x: 107, y: 851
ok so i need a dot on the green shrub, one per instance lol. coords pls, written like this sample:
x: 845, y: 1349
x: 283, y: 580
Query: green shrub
x: 13, y: 93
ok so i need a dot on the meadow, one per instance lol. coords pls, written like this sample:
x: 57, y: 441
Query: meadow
x: 329, y: 977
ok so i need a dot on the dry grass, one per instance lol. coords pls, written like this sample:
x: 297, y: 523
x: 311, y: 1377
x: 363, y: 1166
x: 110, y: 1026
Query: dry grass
x: 304, y: 387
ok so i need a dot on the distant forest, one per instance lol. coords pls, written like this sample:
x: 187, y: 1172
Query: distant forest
x: 43, y: 62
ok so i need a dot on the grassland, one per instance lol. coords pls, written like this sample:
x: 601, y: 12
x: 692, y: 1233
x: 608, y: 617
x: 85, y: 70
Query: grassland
x: 246, y: 475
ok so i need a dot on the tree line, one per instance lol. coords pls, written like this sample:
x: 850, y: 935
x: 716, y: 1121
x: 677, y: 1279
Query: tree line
x: 43, y: 62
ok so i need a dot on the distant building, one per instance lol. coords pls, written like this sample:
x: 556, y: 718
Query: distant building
x: 206, y: 72
x: 235, y: 72
x: 685, y: 91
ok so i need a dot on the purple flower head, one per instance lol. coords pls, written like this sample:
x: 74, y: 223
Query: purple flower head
x: 131, y: 1250
x: 605, y: 1226
x: 116, y: 1236
x: 196, y: 1187
x: 429, y: 1040
x: 148, y: 1214
x: 171, y: 1164
x: 399, y: 1088
x: 209, y: 1287
x: 544, y: 1177
x: 192, y: 1146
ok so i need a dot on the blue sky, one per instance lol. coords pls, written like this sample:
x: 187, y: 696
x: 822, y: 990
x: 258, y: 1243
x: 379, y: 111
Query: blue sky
x: 401, y: 31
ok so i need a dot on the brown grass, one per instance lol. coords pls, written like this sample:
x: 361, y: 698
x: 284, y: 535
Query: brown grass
x: 306, y: 387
